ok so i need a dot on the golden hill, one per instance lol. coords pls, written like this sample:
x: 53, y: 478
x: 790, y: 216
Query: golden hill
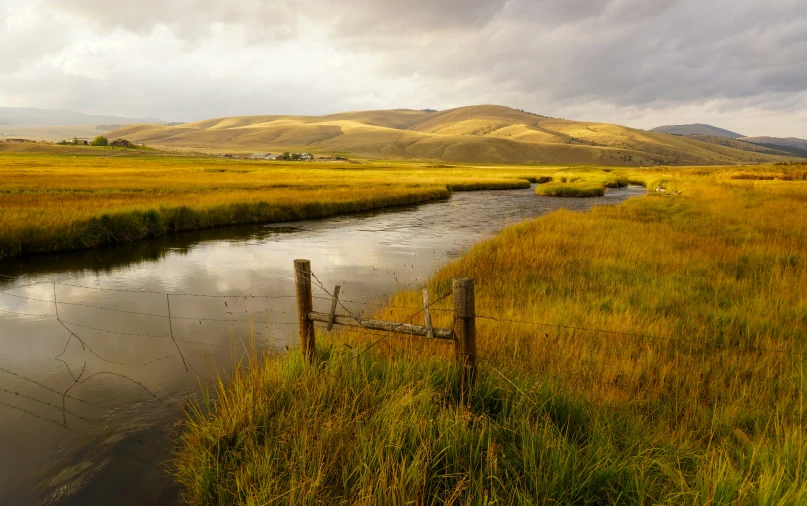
x: 478, y: 134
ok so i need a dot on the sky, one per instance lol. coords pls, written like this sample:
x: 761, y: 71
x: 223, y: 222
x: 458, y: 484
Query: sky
x: 737, y: 64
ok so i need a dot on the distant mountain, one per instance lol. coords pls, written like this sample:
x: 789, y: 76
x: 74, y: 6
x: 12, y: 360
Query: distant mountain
x: 476, y: 134
x: 792, y: 142
x: 52, y: 117
x: 792, y: 145
x: 697, y: 129
x: 745, y: 145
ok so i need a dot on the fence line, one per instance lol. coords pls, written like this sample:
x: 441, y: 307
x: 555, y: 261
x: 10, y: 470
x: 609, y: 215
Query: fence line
x: 643, y: 336
x: 383, y: 305
x: 648, y: 392
x: 341, y: 304
x: 621, y: 408
x: 579, y: 375
x: 379, y: 304
x: 46, y: 403
x: 382, y: 338
x: 155, y: 292
x: 138, y: 313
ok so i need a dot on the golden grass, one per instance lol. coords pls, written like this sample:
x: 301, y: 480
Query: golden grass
x: 74, y: 199
x: 691, y: 391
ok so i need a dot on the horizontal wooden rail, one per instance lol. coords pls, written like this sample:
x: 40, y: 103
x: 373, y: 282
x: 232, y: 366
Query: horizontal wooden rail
x: 366, y: 323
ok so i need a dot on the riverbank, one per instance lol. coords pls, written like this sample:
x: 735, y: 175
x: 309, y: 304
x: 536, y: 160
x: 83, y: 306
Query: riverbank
x: 56, y: 202
x: 690, y: 392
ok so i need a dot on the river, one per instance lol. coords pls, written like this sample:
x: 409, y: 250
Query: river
x: 92, y: 385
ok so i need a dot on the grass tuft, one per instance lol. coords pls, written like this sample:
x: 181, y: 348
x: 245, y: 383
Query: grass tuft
x: 570, y: 190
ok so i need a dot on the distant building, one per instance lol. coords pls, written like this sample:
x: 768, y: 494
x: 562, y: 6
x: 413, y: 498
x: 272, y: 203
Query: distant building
x: 275, y: 157
x: 258, y: 156
x: 306, y: 156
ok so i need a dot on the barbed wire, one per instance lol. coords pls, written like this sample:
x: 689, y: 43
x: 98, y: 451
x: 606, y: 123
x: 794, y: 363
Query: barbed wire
x: 648, y: 392
x: 27, y: 314
x: 45, y: 386
x: 352, y: 315
x: 154, y: 292
x: 363, y: 330
x: 342, y: 303
x: 46, y: 403
x: 138, y: 313
x: 643, y: 336
x: 383, y: 305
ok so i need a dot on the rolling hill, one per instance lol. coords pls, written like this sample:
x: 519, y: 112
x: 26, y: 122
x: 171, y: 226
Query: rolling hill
x: 697, y: 129
x: 476, y: 134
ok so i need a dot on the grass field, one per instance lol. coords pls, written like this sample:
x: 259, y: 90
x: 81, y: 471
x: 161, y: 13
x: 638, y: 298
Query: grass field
x: 64, y: 198
x: 693, y: 394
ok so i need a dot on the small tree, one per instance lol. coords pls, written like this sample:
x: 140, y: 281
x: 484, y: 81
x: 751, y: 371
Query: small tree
x: 100, y: 141
x: 75, y: 141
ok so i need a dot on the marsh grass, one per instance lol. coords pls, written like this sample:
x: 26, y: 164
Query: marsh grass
x: 580, y: 182
x: 570, y: 190
x: 52, y: 202
x: 693, y: 393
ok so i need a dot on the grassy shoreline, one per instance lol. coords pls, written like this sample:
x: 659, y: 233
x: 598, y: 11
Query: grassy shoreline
x: 124, y: 227
x: 694, y: 394
x: 57, y: 202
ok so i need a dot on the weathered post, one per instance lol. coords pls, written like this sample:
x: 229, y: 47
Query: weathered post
x: 428, y: 318
x: 305, y: 304
x: 465, y: 331
x: 334, y: 302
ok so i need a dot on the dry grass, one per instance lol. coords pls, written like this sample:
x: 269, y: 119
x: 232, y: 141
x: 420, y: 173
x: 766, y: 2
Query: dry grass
x: 693, y: 394
x: 69, y: 199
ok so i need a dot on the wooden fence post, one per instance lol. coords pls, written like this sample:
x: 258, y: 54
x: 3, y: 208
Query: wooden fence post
x: 305, y: 304
x: 465, y: 331
x: 334, y: 302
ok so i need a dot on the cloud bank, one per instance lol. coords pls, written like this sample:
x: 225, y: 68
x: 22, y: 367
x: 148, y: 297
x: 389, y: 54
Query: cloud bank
x: 638, y: 62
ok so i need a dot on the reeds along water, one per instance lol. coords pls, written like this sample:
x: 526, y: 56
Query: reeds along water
x: 53, y: 203
x: 651, y: 352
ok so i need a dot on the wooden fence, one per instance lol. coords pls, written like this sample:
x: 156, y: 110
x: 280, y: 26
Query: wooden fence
x: 463, y: 334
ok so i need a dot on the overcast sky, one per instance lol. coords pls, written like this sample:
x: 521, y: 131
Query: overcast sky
x: 738, y: 64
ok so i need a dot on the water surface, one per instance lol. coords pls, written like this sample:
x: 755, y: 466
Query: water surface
x: 89, y: 400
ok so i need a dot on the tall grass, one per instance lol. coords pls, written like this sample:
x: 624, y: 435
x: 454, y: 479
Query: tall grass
x: 55, y: 202
x: 693, y: 393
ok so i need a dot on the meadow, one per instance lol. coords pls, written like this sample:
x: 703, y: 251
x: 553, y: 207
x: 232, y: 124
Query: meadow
x: 57, y: 198
x: 646, y: 353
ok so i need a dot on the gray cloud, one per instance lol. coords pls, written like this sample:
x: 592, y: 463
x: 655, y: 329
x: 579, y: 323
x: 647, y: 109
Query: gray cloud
x: 200, y: 58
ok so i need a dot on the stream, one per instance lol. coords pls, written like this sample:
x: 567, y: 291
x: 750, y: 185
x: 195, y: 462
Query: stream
x: 94, y: 374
